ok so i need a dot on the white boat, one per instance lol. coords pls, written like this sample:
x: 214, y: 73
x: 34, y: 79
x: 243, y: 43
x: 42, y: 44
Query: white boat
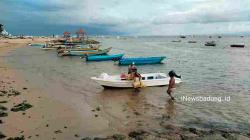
x: 149, y: 80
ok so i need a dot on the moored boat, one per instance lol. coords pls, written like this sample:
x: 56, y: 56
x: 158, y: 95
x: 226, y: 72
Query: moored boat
x: 148, y: 80
x: 141, y: 60
x: 191, y: 41
x: 239, y: 45
x: 62, y: 49
x: 210, y: 43
x: 104, y: 57
x: 176, y: 40
x: 48, y: 48
x: 84, y: 53
x: 37, y: 45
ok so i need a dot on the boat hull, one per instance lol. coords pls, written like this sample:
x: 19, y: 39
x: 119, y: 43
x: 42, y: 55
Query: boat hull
x: 115, y: 81
x: 210, y: 43
x: 37, y: 45
x: 104, y: 57
x: 141, y: 61
x: 85, y: 53
x: 47, y: 48
x: 78, y: 49
x: 237, y: 46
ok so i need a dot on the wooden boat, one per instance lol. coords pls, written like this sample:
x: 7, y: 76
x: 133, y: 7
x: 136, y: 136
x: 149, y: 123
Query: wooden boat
x: 85, y: 53
x: 56, y: 45
x: 192, y: 41
x: 238, y: 45
x: 176, y: 40
x: 104, y: 57
x: 37, y: 45
x: 73, y: 43
x: 141, y: 60
x: 47, y: 48
x: 91, y: 41
x: 63, y: 43
x: 62, y: 49
x: 210, y: 43
x: 148, y: 80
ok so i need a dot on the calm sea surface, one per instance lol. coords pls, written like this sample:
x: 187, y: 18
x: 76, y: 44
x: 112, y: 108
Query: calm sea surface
x: 218, y: 71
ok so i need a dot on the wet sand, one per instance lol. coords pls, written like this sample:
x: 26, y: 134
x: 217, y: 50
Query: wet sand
x: 48, y: 118
x: 53, y: 118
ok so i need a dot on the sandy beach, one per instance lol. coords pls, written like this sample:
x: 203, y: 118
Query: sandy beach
x: 49, y: 117
x: 46, y: 119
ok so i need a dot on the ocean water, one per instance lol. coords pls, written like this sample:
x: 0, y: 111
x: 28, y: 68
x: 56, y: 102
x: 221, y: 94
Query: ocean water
x: 217, y: 72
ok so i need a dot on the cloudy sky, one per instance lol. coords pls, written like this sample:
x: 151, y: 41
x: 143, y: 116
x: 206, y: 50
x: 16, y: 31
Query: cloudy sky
x: 126, y: 17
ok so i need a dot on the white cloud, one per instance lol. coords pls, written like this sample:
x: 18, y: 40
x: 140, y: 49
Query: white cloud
x: 152, y: 16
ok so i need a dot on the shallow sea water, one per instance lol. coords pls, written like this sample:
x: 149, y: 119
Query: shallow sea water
x: 218, y: 71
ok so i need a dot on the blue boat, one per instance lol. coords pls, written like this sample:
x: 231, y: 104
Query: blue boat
x: 37, y: 45
x: 104, y: 57
x: 141, y: 60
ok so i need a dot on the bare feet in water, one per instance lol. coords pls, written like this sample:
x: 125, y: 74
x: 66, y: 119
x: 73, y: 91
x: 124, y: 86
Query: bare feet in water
x: 171, y: 96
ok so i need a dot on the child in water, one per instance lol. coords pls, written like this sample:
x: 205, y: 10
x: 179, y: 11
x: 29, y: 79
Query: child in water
x: 171, y: 85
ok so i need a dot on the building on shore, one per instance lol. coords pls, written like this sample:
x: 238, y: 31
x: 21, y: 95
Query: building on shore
x: 66, y: 34
x: 80, y: 34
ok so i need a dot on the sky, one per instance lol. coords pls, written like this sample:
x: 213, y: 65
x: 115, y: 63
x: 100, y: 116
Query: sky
x: 126, y: 17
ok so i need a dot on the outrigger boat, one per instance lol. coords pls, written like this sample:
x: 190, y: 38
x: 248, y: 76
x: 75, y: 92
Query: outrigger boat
x: 84, y: 53
x: 37, y: 45
x: 62, y: 49
x: 47, y: 48
x: 192, y: 41
x: 104, y: 57
x: 141, y: 60
x: 149, y: 80
x: 239, y: 45
x: 210, y: 43
x: 176, y: 40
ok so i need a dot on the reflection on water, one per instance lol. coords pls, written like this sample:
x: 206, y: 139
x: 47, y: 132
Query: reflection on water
x: 171, y: 108
x: 207, y: 71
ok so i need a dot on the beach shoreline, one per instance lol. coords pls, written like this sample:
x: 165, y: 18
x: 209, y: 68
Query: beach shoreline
x: 47, y: 114
x: 52, y: 118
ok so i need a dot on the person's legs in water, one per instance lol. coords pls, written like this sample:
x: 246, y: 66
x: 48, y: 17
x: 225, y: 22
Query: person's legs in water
x: 137, y: 90
x: 170, y: 92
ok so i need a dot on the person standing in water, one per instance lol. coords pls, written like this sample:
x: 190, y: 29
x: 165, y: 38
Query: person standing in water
x: 129, y: 69
x: 132, y: 70
x: 171, y: 85
x: 137, y: 82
